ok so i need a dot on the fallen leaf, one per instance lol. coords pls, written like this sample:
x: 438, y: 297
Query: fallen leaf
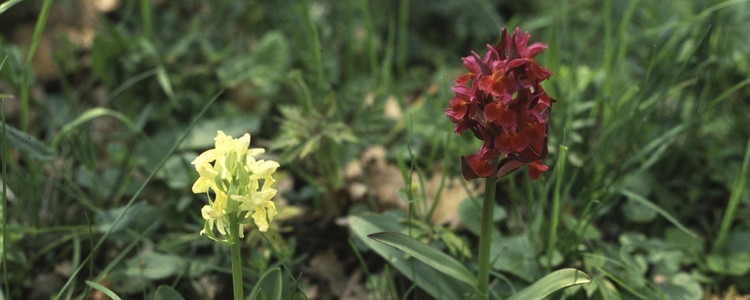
x: 327, y: 265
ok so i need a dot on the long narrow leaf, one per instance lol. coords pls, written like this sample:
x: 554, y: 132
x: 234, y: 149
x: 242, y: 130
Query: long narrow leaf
x: 88, y: 116
x: 103, y: 289
x: 28, y: 145
x: 270, y: 284
x: 430, y: 256
x: 435, y: 283
x: 551, y: 283
x: 8, y: 4
x: 642, y: 200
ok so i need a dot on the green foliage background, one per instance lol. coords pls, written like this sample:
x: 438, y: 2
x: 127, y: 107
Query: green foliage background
x: 653, y: 107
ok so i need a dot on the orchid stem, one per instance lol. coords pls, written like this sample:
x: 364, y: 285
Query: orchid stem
x: 236, y: 258
x: 485, y: 237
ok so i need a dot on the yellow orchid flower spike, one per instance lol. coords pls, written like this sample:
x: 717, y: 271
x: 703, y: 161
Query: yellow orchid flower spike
x: 241, y: 186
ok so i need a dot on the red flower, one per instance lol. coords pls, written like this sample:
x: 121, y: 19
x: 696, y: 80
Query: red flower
x: 505, y: 106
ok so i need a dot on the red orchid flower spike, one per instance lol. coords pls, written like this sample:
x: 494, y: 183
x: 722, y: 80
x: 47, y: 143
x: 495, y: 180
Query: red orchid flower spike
x: 505, y: 106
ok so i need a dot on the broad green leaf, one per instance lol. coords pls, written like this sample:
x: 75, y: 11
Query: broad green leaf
x: 203, y: 134
x: 682, y: 287
x: 154, y: 266
x: 515, y: 255
x: 551, y: 283
x: 165, y: 292
x: 637, y: 212
x: 735, y: 264
x: 269, y: 286
x: 139, y: 217
x: 432, y: 257
x: 589, y: 231
x: 103, y: 289
x: 178, y: 172
x: 28, y: 145
x: 438, y: 285
x: 265, y: 67
x: 469, y: 209
x: 739, y: 242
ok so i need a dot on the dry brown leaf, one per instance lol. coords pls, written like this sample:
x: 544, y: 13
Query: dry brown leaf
x: 328, y: 266
x: 446, y: 210
x: 393, y: 109
x: 384, y: 181
x: 382, y: 178
x: 106, y: 5
x: 210, y: 286
x: 77, y: 21
x: 354, y: 289
x: 731, y: 294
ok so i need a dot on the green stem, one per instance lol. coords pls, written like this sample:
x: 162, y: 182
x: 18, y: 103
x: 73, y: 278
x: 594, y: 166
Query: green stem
x: 234, y: 235
x: 485, y: 237
x: 734, y: 202
x: 5, y: 199
x: 552, y: 242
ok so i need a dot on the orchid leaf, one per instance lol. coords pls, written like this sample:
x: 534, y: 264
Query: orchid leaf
x: 430, y: 256
x: 551, y: 283
x: 165, y: 292
x: 28, y: 145
x: 269, y: 286
x: 437, y: 284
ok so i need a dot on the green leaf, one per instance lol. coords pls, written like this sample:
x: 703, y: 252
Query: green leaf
x: 103, y: 289
x: 637, y: 212
x: 202, y: 135
x: 735, y: 264
x: 265, y: 67
x: 139, y: 217
x: 154, y: 266
x: 165, y: 292
x: 438, y: 285
x: 268, y: 287
x: 8, y: 4
x: 88, y: 116
x: 515, y: 255
x: 432, y: 257
x: 178, y: 172
x: 27, y: 144
x: 682, y: 287
x: 469, y: 209
x: 552, y: 282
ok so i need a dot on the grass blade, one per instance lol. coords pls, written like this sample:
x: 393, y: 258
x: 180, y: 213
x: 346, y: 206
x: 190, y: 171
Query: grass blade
x: 642, y: 200
x: 103, y: 289
x: 88, y: 116
x: 734, y: 201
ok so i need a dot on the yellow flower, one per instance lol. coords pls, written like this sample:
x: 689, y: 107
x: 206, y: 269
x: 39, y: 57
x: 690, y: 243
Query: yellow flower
x: 215, y: 213
x: 233, y: 173
x: 207, y: 177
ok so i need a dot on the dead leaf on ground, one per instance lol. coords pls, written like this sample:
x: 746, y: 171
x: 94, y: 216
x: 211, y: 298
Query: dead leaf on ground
x: 328, y: 266
x: 453, y: 192
x: 77, y: 21
x: 384, y: 181
x: 731, y: 294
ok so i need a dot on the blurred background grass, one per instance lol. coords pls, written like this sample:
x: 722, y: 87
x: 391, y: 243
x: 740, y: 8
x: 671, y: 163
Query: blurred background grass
x: 652, y: 107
